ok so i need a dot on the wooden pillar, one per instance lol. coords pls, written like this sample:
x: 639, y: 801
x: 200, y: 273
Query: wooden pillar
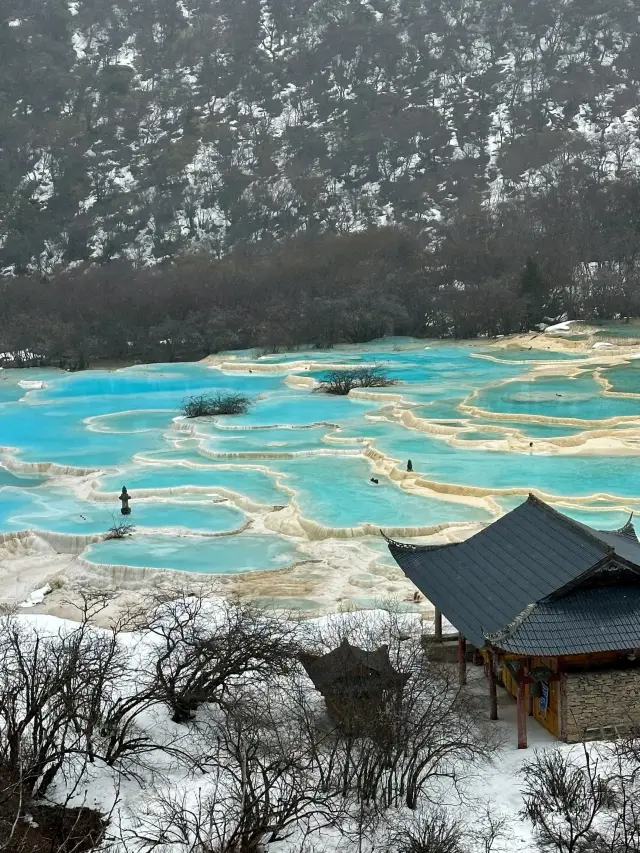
x: 493, y: 691
x: 559, y: 669
x: 462, y: 660
x: 521, y: 710
x: 437, y: 626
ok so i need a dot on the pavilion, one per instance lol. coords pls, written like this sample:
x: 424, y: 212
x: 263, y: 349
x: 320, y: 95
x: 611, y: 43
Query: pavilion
x: 553, y: 606
x: 354, y: 682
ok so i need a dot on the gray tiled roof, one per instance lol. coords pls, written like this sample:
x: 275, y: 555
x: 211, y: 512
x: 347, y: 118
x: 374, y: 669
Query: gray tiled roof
x: 624, y: 545
x: 482, y: 585
x: 628, y: 530
x: 598, y: 619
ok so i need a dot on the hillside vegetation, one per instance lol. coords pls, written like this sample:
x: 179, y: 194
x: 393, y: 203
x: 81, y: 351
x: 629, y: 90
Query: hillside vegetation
x: 176, y: 177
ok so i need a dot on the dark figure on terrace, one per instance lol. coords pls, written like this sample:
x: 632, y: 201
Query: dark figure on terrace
x: 124, y: 497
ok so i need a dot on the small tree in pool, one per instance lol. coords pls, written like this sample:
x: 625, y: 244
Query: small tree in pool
x: 340, y: 382
x: 206, y: 405
x: 119, y: 530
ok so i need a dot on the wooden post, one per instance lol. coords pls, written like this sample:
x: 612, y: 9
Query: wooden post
x: 437, y: 626
x: 521, y: 710
x: 462, y: 660
x: 493, y: 692
x: 559, y: 668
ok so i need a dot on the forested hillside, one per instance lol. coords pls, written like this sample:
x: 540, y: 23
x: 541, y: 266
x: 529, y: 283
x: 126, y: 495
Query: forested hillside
x: 495, y: 142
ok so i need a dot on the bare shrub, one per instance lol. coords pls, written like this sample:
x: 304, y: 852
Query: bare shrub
x: 432, y: 832
x: 119, y: 530
x: 435, y: 830
x: 220, y: 403
x: 493, y: 827
x: 340, y: 382
x: 621, y: 828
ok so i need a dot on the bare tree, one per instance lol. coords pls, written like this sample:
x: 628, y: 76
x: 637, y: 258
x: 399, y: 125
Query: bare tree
x: 219, y: 403
x: 46, y: 731
x: 203, y: 647
x: 69, y: 694
x: 260, y: 785
x: 564, y: 798
x: 340, y: 382
x: 41, y: 681
x: 428, y: 733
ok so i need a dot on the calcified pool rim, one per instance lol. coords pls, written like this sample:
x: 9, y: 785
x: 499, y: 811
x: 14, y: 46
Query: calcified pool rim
x: 495, y: 433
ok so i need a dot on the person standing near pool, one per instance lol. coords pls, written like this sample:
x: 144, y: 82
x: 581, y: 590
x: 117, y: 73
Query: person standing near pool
x: 409, y: 465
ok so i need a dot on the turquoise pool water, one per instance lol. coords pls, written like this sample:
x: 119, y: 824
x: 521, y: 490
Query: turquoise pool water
x: 298, y: 409
x: 479, y: 435
x: 556, y: 397
x: 619, y: 329
x: 131, y: 422
x: 303, y: 449
x: 262, y: 441
x: 529, y: 354
x: 338, y: 492
x: 624, y: 379
x: 600, y: 518
x: 252, y: 483
x: 21, y: 481
x: 54, y: 511
x: 555, y: 474
x: 220, y: 555
x: 533, y: 430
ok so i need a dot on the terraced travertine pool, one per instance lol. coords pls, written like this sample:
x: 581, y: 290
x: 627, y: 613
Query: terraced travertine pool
x: 289, y: 483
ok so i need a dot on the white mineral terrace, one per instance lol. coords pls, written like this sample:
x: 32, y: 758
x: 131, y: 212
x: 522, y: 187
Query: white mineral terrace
x: 279, y: 504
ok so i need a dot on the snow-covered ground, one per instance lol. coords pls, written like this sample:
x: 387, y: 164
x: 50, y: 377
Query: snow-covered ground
x: 137, y: 800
